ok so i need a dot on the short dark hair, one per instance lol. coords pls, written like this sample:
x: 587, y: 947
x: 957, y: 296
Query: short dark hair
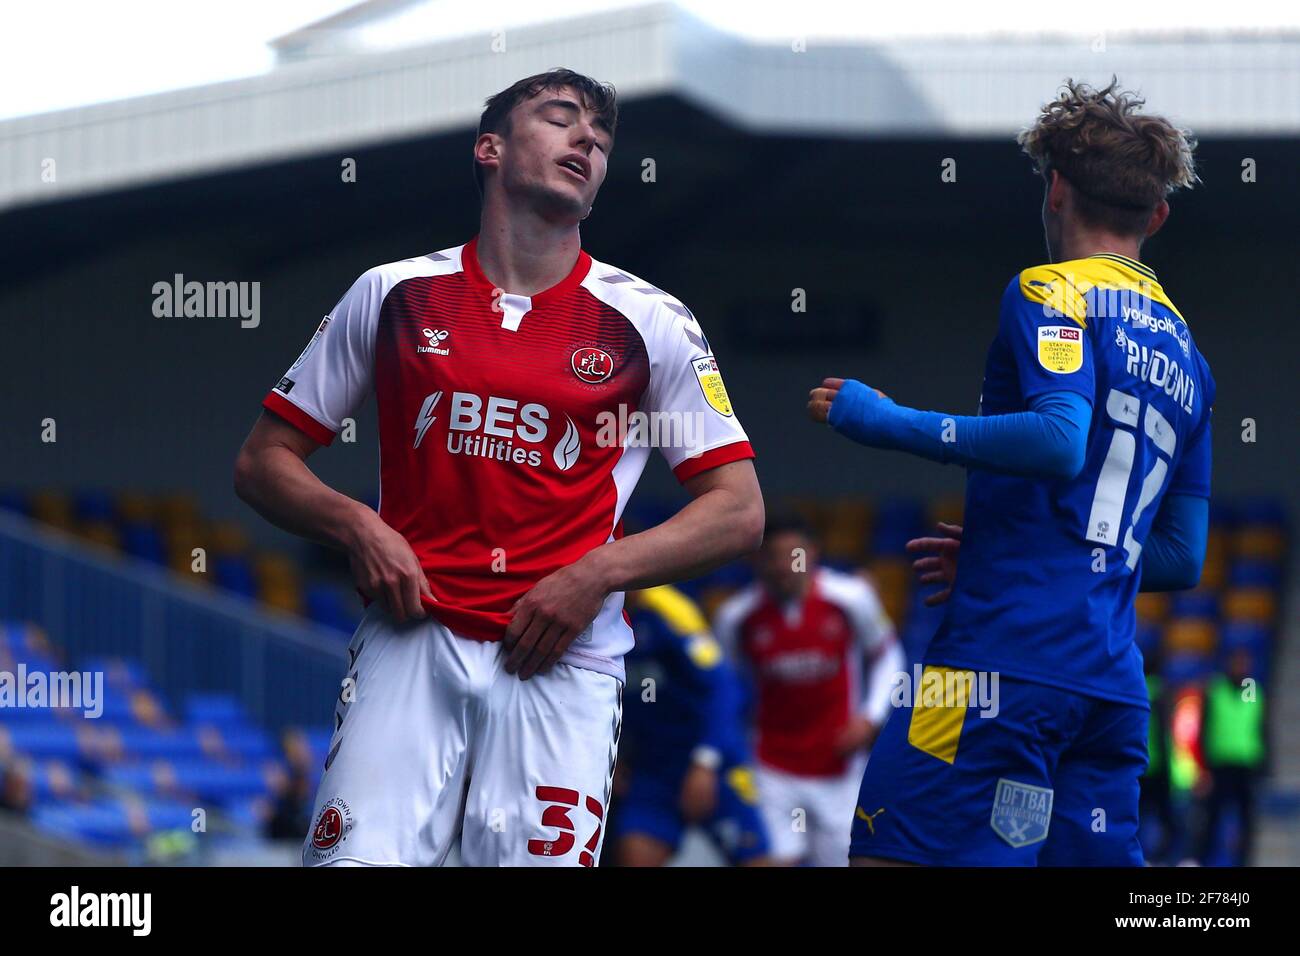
x: 598, y: 97
x: 786, y: 522
x: 1121, y: 162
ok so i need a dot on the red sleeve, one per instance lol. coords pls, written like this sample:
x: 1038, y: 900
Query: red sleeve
x: 299, y: 419
x: 725, y: 455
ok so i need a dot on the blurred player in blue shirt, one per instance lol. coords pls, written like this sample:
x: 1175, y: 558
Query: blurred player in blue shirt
x: 683, y: 758
x: 1089, y: 479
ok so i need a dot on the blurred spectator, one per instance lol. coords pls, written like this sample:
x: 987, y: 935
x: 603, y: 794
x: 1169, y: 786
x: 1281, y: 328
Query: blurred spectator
x: 1235, y: 747
x: 291, y: 819
x: 1161, y: 825
x: 812, y: 639
x: 16, y: 787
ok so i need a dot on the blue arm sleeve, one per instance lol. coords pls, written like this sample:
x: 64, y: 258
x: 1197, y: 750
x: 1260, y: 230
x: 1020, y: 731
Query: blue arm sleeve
x: 1049, y: 441
x: 723, y: 730
x: 1174, y: 550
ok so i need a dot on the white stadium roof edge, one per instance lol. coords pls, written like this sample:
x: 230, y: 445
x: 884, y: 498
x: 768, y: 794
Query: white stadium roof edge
x: 1245, y: 84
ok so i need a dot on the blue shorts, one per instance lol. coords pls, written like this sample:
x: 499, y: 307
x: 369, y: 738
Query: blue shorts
x: 652, y: 807
x: 1051, y: 780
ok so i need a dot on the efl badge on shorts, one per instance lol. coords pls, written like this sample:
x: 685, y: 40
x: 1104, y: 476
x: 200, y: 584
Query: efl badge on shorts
x: 1060, y: 348
x: 332, y: 827
x: 1021, y: 813
x: 592, y: 365
x: 715, y: 393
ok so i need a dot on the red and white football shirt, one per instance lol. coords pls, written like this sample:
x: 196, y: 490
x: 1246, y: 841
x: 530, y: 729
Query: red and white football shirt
x: 808, y: 659
x: 501, y: 453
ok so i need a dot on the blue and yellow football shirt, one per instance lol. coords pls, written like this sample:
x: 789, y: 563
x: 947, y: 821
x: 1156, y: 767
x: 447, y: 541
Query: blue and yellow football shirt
x: 1049, y: 570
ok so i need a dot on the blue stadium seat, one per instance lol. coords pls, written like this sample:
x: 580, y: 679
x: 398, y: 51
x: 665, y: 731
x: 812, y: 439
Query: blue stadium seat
x: 1265, y: 511
x: 1184, y: 668
x: 327, y: 606
x: 235, y: 573
x: 247, y: 743
x: 169, y: 815
x: 50, y: 780
x: 119, y: 672
x: 1147, y: 638
x: 117, y: 709
x: 220, y: 709
x: 1194, y: 604
x: 250, y: 813
x: 140, y: 777
x: 147, y: 743
x: 219, y: 782
x: 103, y: 826
x: 898, y: 520
x: 1255, y: 574
x: 44, y: 739
x: 144, y: 542
x: 94, y: 506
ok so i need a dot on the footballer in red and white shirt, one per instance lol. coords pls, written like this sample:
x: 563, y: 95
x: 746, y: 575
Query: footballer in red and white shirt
x: 483, y: 699
x: 823, y: 657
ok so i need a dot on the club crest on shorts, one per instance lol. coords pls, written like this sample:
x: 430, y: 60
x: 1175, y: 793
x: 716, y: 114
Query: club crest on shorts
x: 332, y: 827
x: 592, y: 365
x: 1021, y: 812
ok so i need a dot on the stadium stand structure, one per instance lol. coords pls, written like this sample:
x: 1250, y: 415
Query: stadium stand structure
x: 178, y: 745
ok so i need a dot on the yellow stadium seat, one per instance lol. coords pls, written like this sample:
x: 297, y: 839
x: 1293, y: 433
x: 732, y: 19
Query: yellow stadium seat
x: 181, y: 560
x: 948, y: 509
x: 1259, y: 543
x: 892, y: 578
x: 183, y: 537
x: 99, y: 533
x: 1191, y: 635
x: 847, y: 529
x: 1254, y: 605
x: 1152, y: 607
x: 54, y: 508
x: 227, y: 538
x: 1214, y: 573
x: 177, y: 512
x: 135, y: 508
x: 272, y: 567
x: 285, y: 596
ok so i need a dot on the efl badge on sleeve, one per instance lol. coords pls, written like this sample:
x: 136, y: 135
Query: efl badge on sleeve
x: 320, y: 330
x: 715, y: 393
x: 1060, y: 348
x: 1021, y: 813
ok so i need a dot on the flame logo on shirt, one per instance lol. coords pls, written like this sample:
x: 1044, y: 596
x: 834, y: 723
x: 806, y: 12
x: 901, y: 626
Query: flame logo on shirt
x: 568, y: 448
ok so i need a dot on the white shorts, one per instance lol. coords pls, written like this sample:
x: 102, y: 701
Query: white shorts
x: 809, y: 818
x: 435, y: 743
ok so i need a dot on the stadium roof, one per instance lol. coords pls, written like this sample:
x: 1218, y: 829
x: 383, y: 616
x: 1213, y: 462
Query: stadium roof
x: 1219, y: 85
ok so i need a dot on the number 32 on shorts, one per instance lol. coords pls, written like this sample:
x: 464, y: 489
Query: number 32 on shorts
x: 561, y: 802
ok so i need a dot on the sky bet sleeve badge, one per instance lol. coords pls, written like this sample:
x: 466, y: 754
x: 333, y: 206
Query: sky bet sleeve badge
x: 1060, y: 348
x: 715, y: 393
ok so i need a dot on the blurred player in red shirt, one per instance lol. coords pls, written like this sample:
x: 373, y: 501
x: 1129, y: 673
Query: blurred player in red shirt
x: 823, y: 655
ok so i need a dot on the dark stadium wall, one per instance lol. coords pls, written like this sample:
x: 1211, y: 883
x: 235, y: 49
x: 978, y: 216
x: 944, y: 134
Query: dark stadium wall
x: 901, y: 280
x: 163, y: 403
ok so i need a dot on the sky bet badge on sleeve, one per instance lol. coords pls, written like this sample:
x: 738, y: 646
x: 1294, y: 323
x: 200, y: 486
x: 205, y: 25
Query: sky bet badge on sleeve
x: 1060, y: 348
x: 706, y: 370
x: 1021, y: 813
